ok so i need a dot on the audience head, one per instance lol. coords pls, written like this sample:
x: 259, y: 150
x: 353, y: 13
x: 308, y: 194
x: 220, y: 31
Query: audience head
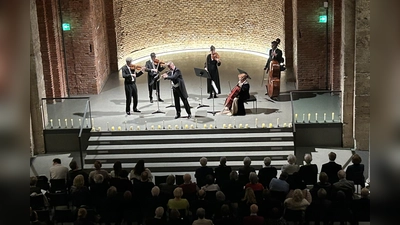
x: 201, y: 194
x: 222, y: 161
x: 246, y: 161
x: 225, y: 211
x: 33, y: 181
x: 127, y: 195
x: 266, y: 193
x: 298, y: 195
x: 112, y: 191
x: 56, y: 161
x: 364, y: 193
x: 159, y: 212
x: 322, y: 193
x: 220, y: 196
x: 97, y: 165
x: 341, y: 174
x: 200, y: 213
x: 323, y: 177
x: 139, y: 167
x: 123, y: 174
x: 178, y: 192
x: 73, y: 165
x: 79, y: 181
x: 82, y: 212
x: 267, y: 161
x: 98, y: 178
x: 253, y: 178
x: 307, y: 158
x: 170, y: 179
x: 340, y: 196
x: 332, y: 156
x: 187, y: 178
x: 144, y: 176
x: 117, y: 167
x: 283, y: 176
x: 253, y: 208
x: 356, y: 159
x: 209, y: 179
x: 203, y: 161
x: 174, y: 214
x: 155, y: 191
x: 249, y: 195
x: 291, y: 159
x: 233, y: 175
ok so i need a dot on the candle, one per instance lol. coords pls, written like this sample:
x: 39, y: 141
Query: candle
x: 51, y: 123
x: 215, y: 125
x: 137, y: 128
x: 196, y: 122
x: 263, y: 125
x: 256, y: 125
x: 211, y: 126
x: 159, y: 127
x: 80, y: 122
x: 270, y: 125
x: 186, y: 126
x: 112, y: 128
x: 324, y: 117
x: 99, y: 129
x: 230, y: 126
x: 131, y: 128
x: 176, y: 127
x: 277, y: 122
x: 290, y: 124
x: 333, y: 116
x: 316, y: 117
x: 304, y: 115
x: 234, y: 123
x: 125, y: 126
x: 246, y: 126
x: 224, y: 125
x: 59, y: 123
x: 309, y: 117
x: 119, y: 128
x: 191, y: 126
x: 66, y: 123
x: 163, y: 125
x: 181, y: 125
x: 205, y: 126
x: 295, y: 117
x: 169, y: 127
x: 240, y: 125
x: 284, y: 125
x: 152, y: 127
x: 108, y: 128
x: 92, y: 122
x: 72, y: 123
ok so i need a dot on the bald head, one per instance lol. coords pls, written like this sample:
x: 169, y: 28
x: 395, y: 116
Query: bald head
x: 341, y: 174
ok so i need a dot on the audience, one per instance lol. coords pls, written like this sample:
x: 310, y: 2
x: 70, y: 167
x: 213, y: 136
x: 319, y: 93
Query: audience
x: 319, y: 208
x: 210, y: 185
x: 323, y: 183
x: 244, y: 172
x: 58, y: 171
x: 331, y: 168
x: 188, y: 187
x: 201, y: 213
x: 291, y: 167
x: 81, y: 219
x: 33, y: 188
x: 98, y: 170
x: 347, y: 186
x: 158, y: 218
x: 280, y: 184
x: 202, y: 172
x: 80, y: 194
x: 308, y: 172
x: 117, y: 168
x: 175, y: 218
x: 355, y: 172
x: 266, y: 174
x: 226, y: 217
x: 253, y: 178
x: 136, y: 172
x: 168, y: 187
x: 222, y: 171
x: 178, y: 202
x: 297, y: 202
x: 75, y: 170
x: 248, y: 199
x: 233, y: 189
x: 253, y: 219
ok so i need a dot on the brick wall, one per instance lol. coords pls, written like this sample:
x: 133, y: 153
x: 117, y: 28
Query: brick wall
x: 111, y: 37
x: 336, y: 48
x: 146, y: 26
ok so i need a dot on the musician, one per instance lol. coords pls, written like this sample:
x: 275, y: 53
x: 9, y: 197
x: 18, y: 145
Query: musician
x: 179, y: 89
x: 130, y: 76
x: 237, y: 107
x: 213, y: 61
x: 152, y: 76
x: 274, y: 54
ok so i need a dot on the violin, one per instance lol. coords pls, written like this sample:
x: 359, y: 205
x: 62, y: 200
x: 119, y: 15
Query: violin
x: 135, y: 67
x: 215, y: 56
x: 158, y: 62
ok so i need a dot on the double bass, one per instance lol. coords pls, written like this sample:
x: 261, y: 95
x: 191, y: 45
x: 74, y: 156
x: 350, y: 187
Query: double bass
x: 274, y: 79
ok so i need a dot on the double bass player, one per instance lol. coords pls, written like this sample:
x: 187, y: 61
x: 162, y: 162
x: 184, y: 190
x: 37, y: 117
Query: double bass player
x: 273, y: 69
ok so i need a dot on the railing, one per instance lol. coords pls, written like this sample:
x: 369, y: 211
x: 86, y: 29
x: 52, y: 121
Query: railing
x: 316, y: 107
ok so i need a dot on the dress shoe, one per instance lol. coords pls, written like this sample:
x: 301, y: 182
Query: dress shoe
x: 160, y: 100
x: 215, y: 96
x: 136, y: 110
x: 128, y: 113
x: 189, y: 116
x: 177, y: 116
x: 209, y: 97
x: 151, y: 100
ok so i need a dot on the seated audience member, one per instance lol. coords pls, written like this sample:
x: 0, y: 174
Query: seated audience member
x: 142, y: 189
x: 201, y: 202
x: 178, y: 202
x: 33, y: 188
x: 136, y: 172
x: 253, y: 178
x: 244, y: 172
x: 81, y: 219
x: 202, y: 172
x: 123, y: 184
x: 355, y: 172
x: 167, y: 188
x: 220, y: 200
x: 347, y: 186
x: 331, y: 168
x: 201, y: 213
x: 75, y: 170
x: 266, y: 174
x: 268, y: 203
x: 188, y: 187
x: 158, y: 218
x: 276, y: 217
x: 58, y: 171
x: 295, y: 181
x: 248, y: 199
x: 210, y: 185
x: 308, y: 172
x: 98, y: 190
x: 280, y: 184
x: 340, y: 209
x: 298, y: 185
x: 297, y: 202
x: 226, y: 217
x: 222, y: 171
x: 319, y: 209
x: 98, y: 170
x: 253, y: 219
x: 361, y: 207
x: 291, y: 167
x: 111, y: 211
x: 175, y: 218
x: 153, y: 202
x: 233, y: 189
x: 80, y: 194
x: 117, y: 168
x: 323, y: 183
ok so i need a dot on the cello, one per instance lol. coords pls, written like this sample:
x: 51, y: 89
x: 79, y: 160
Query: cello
x: 274, y: 75
x: 235, y: 91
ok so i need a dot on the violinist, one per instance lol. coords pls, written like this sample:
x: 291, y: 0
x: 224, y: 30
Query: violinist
x: 153, y: 67
x: 213, y: 61
x: 130, y: 75
x: 234, y: 104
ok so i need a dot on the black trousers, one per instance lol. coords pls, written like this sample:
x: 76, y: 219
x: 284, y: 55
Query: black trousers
x: 177, y: 95
x: 131, y: 92
x: 154, y: 86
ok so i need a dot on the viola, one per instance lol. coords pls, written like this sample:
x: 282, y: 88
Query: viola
x: 135, y: 67
x: 158, y: 62
x: 215, y: 56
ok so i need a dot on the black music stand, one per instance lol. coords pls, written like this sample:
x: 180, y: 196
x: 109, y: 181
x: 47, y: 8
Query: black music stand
x: 155, y: 79
x: 201, y: 73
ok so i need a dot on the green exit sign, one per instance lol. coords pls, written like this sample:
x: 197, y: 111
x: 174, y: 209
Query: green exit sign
x: 323, y: 19
x: 66, y: 26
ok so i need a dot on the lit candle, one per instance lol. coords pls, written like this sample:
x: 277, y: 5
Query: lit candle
x: 137, y: 128
x: 112, y: 128
x: 59, y: 123
x: 163, y: 125
x: 224, y: 125
x: 131, y: 128
x: 169, y: 127
x: 324, y: 117
x: 186, y: 126
x: 295, y: 117
x: 205, y: 126
x: 72, y: 123
x: 229, y: 125
x: 191, y: 126
x: 176, y: 127
x: 80, y: 122
x: 277, y: 122
x: 211, y: 126
x: 263, y: 125
x: 152, y: 127
x: 246, y: 126
x: 284, y: 125
x: 316, y: 117
x: 290, y: 124
x: 99, y: 129
x: 256, y: 123
x: 119, y: 128
x: 51, y: 123
x: 145, y: 125
x: 333, y: 116
x: 159, y: 127
x: 304, y: 116
x: 309, y: 117
x: 66, y: 123
x: 270, y: 125
x: 108, y: 128
x: 240, y: 125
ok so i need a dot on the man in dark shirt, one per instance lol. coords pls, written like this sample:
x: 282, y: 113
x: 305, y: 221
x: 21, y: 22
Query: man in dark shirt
x: 222, y: 171
x: 266, y: 174
x: 202, y: 172
x: 331, y: 168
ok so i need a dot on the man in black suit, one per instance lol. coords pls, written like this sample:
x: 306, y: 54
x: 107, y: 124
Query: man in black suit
x: 222, y: 172
x: 152, y: 70
x: 274, y: 54
x: 347, y: 186
x: 331, y: 168
x: 179, y: 89
x: 130, y: 76
x: 266, y: 174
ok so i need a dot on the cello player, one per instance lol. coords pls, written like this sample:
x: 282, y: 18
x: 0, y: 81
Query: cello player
x: 237, y: 106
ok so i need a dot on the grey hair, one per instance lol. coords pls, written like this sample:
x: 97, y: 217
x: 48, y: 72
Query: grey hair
x: 267, y: 161
x: 247, y: 161
x: 291, y: 159
x: 129, y: 59
x: 308, y: 158
x: 155, y: 191
x: 203, y: 161
x: 222, y: 160
x: 253, y: 178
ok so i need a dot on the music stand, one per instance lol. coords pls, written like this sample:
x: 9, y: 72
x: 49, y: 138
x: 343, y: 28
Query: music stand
x: 201, y: 73
x: 158, y: 102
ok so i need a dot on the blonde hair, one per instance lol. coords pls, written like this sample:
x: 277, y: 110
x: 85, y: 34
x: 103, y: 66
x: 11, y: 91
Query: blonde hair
x: 178, y: 192
x: 297, y: 195
x: 249, y: 196
x: 79, y: 181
